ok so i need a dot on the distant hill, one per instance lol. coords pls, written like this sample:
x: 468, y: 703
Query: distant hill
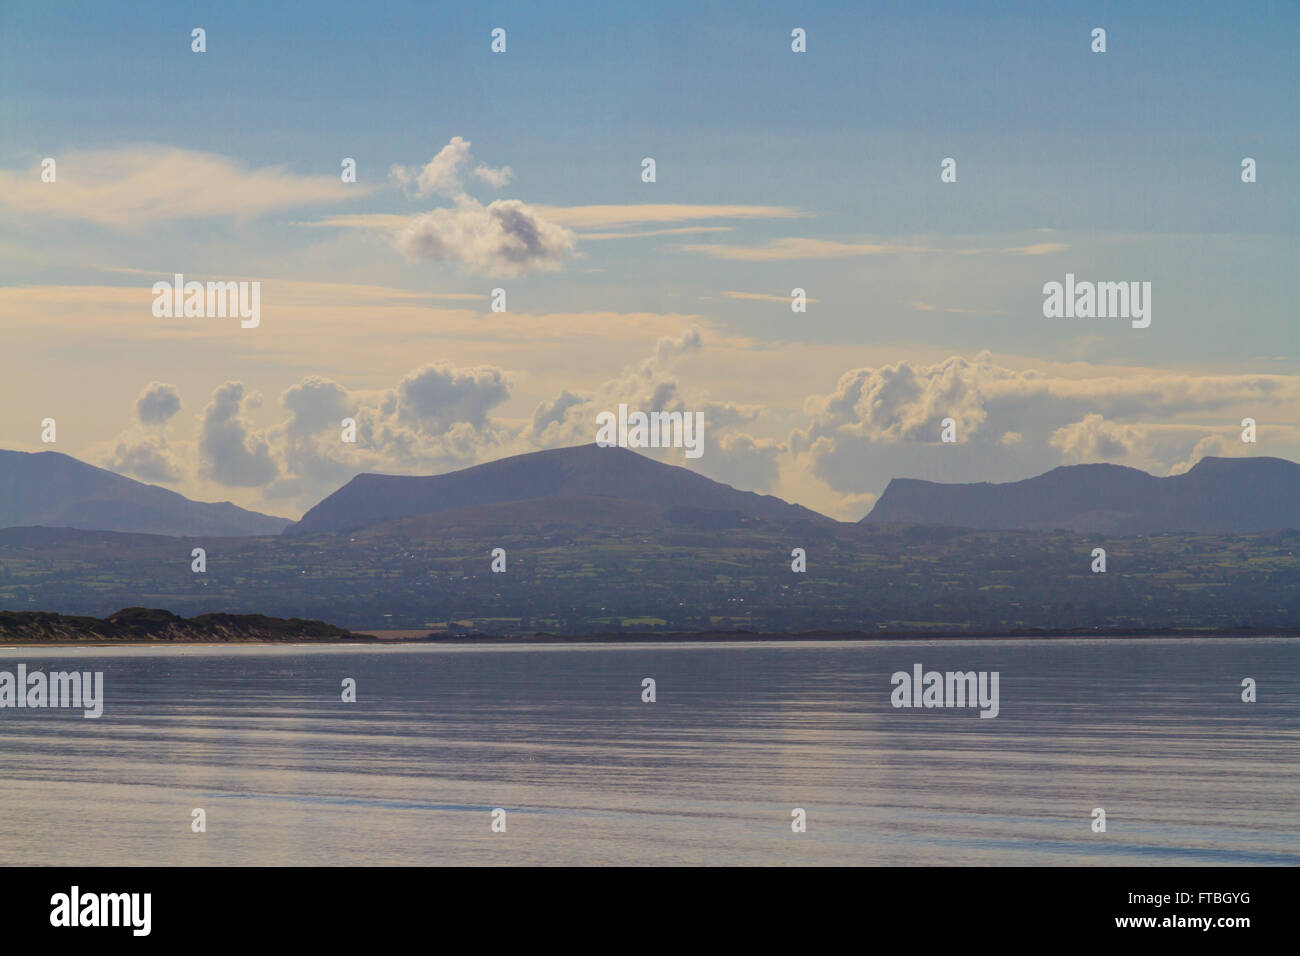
x: 135, y: 624
x: 627, y: 484
x: 55, y: 490
x: 1218, y: 495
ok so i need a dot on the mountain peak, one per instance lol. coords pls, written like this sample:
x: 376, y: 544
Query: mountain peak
x: 578, y: 471
x: 56, y: 490
x: 1257, y: 463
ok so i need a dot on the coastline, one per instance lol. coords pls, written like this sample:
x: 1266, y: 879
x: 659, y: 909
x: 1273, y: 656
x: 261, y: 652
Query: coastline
x: 376, y: 639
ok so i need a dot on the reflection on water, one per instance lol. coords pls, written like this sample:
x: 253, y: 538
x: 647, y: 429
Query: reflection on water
x: 1154, y: 731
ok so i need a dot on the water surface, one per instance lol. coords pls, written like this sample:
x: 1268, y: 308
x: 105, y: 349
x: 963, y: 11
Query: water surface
x: 1153, y: 731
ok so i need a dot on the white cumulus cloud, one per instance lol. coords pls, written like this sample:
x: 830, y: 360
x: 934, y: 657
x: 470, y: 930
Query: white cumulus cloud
x: 504, y: 238
x: 229, y: 452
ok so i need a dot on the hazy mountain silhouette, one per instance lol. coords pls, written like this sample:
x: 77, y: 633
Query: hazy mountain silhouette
x: 603, y: 538
x: 52, y: 489
x: 616, y: 488
x: 555, y: 482
x: 1218, y: 495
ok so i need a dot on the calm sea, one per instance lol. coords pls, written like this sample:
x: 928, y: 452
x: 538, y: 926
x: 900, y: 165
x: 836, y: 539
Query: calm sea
x: 1152, y: 731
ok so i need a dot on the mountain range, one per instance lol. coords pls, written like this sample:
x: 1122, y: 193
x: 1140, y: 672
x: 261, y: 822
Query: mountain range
x: 603, y: 540
x: 617, y: 488
x: 1217, y: 495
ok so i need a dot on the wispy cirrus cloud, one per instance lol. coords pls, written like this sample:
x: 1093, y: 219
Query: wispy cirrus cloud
x: 802, y: 247
x: 510, y: 238
x: 1038, y: 249
x: 927, y: 307
x: 373, y: 221
x: 799, y: 248
x: 136, y: 186
x: 761, y: 297
x: 593, y: 217
x: 603, y: 216
x: 1031, y: 249
x: 640, y: 234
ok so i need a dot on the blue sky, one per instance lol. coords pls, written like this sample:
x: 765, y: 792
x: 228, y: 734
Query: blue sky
x: 1128, y: 162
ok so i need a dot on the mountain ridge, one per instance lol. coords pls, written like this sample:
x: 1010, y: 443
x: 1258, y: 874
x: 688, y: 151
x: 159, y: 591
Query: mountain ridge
x: 51, y: 489
x: 615, y: 487
x: 1216, y: 495
x: 543, y: 476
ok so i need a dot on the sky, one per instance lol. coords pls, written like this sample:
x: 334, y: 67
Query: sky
x: 522, y: 171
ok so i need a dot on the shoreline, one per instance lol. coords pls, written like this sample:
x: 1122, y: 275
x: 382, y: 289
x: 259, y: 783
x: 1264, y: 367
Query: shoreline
x: 364, y: 640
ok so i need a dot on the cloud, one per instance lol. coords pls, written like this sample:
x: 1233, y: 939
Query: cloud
x: 496, y: 178
x: 135, y: 186
x: 742, y: 461
x: 798, y: 248
x: 848, y: 507
x: 316, y: 403
x: 552, y: 411
x: 142, y: 450
x: 722, y: 415
x: 884, y: 422
x: 435, y: 419
x: 761, y: 297
x: 309, y: 444
x: 681, y: 231
x: 926, y: 307
x: 157, y: 403
x: 438, y: 396
x: 1032, y: 249
x: 585, y: 217
x: 903, y: 402
x: 1227, y: 444
x: 374, y: 221
x: 604, y: 216
x: 443, y: 175
x: 668, y: 348
x: 146, y: 457
x: 1157, y: 447
x: 1038, y: 249
x: 1096, y: 439
x: 229, y: 453
x: 648, y: 385
x: 504, y: 238
x: 730, y: 456
x: 805, y: 248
